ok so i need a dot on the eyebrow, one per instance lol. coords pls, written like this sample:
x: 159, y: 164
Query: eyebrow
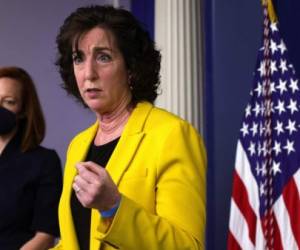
x: 95, y: 49
x: 10, y: 97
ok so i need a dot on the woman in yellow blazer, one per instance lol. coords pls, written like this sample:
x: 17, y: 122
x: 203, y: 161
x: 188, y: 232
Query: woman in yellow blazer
x: 136, y: 178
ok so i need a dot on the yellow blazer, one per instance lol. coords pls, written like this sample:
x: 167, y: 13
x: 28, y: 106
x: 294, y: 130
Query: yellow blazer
x: 159, y: 166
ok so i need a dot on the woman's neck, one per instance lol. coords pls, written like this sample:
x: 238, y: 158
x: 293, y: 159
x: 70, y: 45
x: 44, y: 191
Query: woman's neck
x: 112, y: 124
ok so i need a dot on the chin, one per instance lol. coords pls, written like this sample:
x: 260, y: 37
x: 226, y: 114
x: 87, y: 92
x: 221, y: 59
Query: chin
x: 97, y: 109
x: 94, y: 105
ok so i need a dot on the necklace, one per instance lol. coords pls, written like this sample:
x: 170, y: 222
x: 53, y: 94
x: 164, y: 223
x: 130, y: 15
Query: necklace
x: 116, y: 122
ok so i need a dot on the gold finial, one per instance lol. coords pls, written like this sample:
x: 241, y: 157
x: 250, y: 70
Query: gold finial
x: 271, y: 10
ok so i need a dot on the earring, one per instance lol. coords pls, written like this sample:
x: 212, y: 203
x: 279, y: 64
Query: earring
x: 130, y: 82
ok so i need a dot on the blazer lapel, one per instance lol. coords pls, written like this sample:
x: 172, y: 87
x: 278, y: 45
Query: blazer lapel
x: 78, y: 154
x: 129, y: 142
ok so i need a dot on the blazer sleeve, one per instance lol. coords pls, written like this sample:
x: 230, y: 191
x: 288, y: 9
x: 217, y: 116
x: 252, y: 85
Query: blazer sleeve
x: 179, y: 219
x: 48, y: 192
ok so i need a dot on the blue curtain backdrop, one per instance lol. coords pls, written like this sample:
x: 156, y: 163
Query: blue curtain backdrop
x: 232, y: 35
x: 288, y: 16
x: 143, y: 10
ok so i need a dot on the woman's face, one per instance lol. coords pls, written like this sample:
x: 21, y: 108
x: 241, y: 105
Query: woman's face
x: 100, y: 71
x: 10, y: 94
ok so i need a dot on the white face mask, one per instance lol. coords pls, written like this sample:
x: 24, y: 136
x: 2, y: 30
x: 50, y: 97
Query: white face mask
x: 8, y: 121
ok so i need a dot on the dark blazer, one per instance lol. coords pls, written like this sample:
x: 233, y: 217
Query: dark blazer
x: 30, y: 187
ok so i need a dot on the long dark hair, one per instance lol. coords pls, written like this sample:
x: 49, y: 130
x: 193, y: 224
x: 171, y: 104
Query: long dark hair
x: 32, y: 123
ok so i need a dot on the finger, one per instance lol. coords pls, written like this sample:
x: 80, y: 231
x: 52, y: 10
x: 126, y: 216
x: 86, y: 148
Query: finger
x: 88, y: 175
x: 91, y: 166
x: 79, y: 192
x: 81, y: 183
x: 85, y: 192
x: 76, y: 188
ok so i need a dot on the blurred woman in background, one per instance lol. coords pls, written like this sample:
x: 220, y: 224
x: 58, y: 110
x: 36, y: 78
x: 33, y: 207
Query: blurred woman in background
x: 30, y: 175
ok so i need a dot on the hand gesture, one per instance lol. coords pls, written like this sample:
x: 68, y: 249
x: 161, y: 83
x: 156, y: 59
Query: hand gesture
x: 94, y: 187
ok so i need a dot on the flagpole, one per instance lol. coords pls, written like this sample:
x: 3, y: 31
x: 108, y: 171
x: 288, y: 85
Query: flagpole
x: 268, y: 222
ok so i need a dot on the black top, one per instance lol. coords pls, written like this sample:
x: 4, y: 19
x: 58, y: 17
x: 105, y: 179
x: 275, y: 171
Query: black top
x: 30, y: 188
x: 81, y: 215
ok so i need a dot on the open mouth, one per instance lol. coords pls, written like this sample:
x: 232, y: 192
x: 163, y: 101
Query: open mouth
x: 92, y: 92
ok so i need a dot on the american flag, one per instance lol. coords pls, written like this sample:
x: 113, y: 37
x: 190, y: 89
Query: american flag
x: 265, y: 205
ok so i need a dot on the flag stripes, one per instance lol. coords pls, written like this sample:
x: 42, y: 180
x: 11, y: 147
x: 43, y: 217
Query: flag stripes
x: 243, y: 218
x: 240, y: 197
x: 292, y: 202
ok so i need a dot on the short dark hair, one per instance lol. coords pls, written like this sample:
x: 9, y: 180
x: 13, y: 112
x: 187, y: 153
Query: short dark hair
x: 32, y: 123
x: 138, y: 49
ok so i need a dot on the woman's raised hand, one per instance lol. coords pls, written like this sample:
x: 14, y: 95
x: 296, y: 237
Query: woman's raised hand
x: 94, y: 187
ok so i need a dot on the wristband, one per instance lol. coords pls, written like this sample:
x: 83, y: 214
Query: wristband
x: 111, y: 212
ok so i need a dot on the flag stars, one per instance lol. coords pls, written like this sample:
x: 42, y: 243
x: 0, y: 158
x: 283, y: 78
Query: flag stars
x: 257, y: 168
x: 281, y: 86
x: 262, y: 189
x: 256, y: 109
x: 262, y: 109
x: 262, y: 68
x: 273, y: 47
x: 289, y: 146
x: 276, y: 168
x: 294, y: 85
x: 261, y: 129
x: 244, y: 129
x: 258, y: 89
x: 259, y: 148
x: 264, y: 169
x: 252, y: 148
x: 279, y: 127
x: 272, y: 87
x: 283, y: 66
x: 248, y: 110
x: 280, y: 107
x: 261, y: 171
x: 264, y: 149
x: 254, y: 129
x: 292, y: 106
x: 273, y: 27
x: 273, y: 67
x: 277, y: 147
x: 281, y: 47
x: 291, y: 127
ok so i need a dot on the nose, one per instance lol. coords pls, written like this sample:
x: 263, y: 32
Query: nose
x: 91, y: 71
